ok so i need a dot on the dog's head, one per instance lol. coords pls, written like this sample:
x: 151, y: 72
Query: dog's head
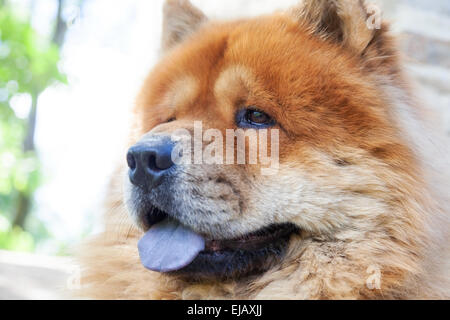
x: 303, y: 88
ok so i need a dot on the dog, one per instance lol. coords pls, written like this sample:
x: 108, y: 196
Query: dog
x: 357, y: 207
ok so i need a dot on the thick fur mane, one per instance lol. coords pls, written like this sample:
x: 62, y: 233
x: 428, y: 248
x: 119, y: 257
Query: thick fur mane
x: 398, y: 246
x: 112, y: 269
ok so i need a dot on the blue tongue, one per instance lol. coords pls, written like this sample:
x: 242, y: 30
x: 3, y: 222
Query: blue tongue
x: 169, y: 246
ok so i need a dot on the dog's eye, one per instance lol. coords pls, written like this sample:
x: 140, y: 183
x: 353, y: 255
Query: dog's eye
x: 253, y: 118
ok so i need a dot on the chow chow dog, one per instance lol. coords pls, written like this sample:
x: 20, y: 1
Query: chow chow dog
x: 357, y: 207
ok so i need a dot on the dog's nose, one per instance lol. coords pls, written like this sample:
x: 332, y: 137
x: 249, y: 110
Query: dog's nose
x: 149, y: 163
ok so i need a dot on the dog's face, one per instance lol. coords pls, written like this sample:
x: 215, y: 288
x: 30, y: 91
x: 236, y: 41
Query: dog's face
x: 316, y: 95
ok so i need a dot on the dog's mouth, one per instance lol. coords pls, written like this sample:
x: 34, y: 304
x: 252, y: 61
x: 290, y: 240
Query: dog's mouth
x: 252, y: 241
x: 170, y: 247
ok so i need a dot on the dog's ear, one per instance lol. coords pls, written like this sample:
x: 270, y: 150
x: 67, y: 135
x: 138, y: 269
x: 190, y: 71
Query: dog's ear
x: 344, y: 21
x: 355, y: 25
x: 180, y: 20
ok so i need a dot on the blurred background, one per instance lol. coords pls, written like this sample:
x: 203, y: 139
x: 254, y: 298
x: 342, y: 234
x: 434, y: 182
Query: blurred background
x: 69, y: 73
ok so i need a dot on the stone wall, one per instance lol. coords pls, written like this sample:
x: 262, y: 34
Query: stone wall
x: 424, y: 27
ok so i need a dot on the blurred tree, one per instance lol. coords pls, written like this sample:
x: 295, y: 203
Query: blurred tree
x: 28, y: 65
x: 50, y: 73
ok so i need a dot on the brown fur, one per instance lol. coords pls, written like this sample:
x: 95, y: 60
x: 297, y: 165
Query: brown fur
x: 369, y: 195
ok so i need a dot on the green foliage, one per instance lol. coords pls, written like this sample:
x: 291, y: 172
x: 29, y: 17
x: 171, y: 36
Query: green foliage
x: 27, y: 59
x: 28, y: 65
x: 14, y: 238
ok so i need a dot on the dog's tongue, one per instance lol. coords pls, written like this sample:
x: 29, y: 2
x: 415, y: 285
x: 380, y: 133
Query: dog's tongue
x: 169, y: 246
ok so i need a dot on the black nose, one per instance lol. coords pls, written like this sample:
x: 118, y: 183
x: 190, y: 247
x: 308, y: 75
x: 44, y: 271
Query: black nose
x: 149, y: 163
